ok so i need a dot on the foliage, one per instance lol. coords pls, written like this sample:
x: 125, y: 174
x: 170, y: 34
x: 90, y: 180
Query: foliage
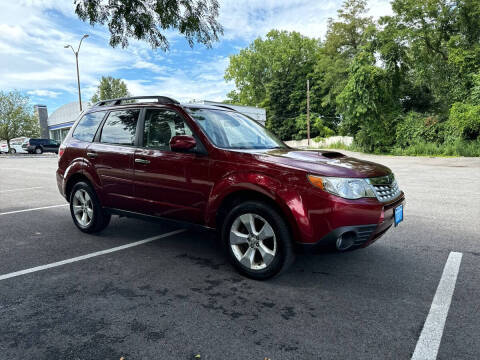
x: 272, y: 73
x: 318, y: 129
x: 463, y: 122
x: 409, y: 81
x: 367, y: 105
x: 149, y: 20
x: 110, y: 88
x: 416, y: 128
x: 458, y: 148
x: 16, y: 116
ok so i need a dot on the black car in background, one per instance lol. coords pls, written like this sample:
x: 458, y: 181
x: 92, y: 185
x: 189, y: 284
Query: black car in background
x: 39, y: 146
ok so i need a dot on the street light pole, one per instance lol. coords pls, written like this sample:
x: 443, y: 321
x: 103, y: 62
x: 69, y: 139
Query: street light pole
x: 308, y: 112
x: 78, y: 72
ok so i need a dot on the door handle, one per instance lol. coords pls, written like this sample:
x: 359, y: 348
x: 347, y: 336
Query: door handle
x: 92, y: 154
x: 142, y: 161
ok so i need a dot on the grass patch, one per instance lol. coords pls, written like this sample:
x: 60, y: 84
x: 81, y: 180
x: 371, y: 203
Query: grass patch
x: 459, y: 148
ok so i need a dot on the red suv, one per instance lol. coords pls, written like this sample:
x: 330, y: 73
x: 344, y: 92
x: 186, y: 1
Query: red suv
x: 215, y: 167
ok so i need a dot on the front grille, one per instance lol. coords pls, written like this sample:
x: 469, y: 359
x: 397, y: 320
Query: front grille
x: 385, y: 187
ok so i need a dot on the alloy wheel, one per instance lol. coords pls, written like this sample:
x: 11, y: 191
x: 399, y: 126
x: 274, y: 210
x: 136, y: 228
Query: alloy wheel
x: 253, y: 241
x: 82, y: 207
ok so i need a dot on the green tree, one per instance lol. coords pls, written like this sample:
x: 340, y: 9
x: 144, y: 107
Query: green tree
x: 318, y: 129
x: 367, y: 106
x: 345, y: 37
x: 110, y: 88
x: 16, y: 116
x: 272, y: 73
x: 149, y: 20
x: 443, y: 40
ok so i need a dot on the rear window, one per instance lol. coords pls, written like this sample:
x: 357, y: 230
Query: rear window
x: 120, y: 127
x: 87, y: 126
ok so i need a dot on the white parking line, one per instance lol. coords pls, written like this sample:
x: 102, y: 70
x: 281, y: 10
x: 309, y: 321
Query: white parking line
x: 429, y: 341
x: 21, y: 189
x: 52, y: 172
x: 88, y: 256
x: 33, y: 209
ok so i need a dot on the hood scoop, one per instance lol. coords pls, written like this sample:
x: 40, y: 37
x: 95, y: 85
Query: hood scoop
x: 332, y: 154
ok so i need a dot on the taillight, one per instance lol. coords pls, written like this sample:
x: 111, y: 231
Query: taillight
x: 61, y: 150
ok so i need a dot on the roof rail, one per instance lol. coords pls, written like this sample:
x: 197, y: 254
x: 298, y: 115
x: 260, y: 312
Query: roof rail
x: 118, y: 101
x: 224, y: 106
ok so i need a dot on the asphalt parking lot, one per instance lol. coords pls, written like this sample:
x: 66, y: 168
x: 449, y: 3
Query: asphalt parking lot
x: 176, y: 297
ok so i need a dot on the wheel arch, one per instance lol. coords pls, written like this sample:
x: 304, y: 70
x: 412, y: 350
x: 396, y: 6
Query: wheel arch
x: 241, y: 195
x: 75, y: 178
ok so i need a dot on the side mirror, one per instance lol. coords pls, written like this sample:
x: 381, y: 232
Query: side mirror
x: 182, y: 143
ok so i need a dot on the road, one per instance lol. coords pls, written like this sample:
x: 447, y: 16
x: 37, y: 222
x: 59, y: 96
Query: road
x: 176, y: 297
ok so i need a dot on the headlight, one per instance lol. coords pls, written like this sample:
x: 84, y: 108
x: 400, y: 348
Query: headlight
x: 348, y: 188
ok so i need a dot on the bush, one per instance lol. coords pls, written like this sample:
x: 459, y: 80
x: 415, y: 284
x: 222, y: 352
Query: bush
x: 416, y: 128
x: 457, y: 148
x: 463, y: 122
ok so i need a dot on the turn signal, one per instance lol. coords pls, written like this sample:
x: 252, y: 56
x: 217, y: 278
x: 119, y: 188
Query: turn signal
x: 316, y: 181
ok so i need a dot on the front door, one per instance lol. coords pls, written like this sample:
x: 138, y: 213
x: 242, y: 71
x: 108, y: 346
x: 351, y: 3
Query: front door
x: 112, y: 156
x: 170, y: 184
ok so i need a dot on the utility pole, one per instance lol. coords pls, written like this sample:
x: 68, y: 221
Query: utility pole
x: 308, y: 112
x: 78, y: 73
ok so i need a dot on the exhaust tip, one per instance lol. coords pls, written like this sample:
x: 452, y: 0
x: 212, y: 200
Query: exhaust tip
x: 346, y: 241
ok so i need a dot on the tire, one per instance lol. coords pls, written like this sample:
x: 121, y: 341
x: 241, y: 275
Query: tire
x: 96, y: 219
x: 251, y: 255
x: 38, y: 150
x: 12, y: 151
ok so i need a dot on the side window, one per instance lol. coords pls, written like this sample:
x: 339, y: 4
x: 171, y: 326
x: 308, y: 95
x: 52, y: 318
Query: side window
x: 161, y: 126
x: 120, y: 127
x: 87, y: 126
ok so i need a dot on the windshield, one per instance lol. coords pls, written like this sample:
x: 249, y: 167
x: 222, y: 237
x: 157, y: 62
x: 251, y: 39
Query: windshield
x: 232, y: 130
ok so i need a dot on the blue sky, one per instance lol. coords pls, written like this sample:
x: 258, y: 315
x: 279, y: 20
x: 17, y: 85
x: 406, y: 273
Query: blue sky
x: 33, y: 59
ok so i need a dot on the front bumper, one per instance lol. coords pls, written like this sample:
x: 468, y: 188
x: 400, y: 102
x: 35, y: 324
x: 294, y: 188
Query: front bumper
x: 358, y: 236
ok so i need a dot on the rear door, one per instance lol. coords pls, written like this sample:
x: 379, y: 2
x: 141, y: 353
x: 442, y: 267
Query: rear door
x: 50, y: 145
x: 170, y: 184
x: 111, y: 154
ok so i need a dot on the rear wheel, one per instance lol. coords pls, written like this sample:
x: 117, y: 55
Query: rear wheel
x: 86, y: 210
x: 38, y: 150
x: 257, y: 240
x: 13, y: 151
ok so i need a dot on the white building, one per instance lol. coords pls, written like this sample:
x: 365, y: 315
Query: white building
x: 62, y: 119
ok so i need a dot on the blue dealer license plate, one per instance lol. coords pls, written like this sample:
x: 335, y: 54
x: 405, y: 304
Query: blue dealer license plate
x: 398, y: 214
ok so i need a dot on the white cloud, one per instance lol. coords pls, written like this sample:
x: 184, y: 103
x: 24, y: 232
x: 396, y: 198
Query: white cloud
x: 44, y: 93
x: 249, y: 19
x: 141, y: 64
x: 202, y: 81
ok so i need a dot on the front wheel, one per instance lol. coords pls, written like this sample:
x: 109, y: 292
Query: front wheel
x: 13, y: 151
x: 38, y: 150
x: 86, y: 210
x: 257, y: 240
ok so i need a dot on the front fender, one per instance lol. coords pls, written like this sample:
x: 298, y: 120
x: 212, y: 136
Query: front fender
x: 286, y: 197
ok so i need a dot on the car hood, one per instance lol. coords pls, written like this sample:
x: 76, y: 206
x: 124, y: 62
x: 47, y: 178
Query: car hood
x: 322, y: 162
